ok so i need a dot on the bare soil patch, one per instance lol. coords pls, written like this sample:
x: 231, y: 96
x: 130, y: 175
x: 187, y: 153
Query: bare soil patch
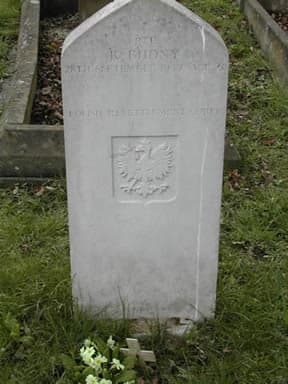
x: 47, y: 106
x: 282, y: 19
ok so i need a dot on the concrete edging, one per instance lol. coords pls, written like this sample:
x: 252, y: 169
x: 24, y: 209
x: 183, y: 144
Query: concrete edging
x: 19, y: 101
x: 272, y: 39
x: 33, y: 151
x: 36, y: 152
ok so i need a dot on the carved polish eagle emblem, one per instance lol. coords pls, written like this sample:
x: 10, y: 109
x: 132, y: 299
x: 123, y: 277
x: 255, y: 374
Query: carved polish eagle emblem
x: 145, y: 168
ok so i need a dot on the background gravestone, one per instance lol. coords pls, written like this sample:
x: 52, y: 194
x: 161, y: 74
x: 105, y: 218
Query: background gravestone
x: 144, y: 90
x: 88, y: 7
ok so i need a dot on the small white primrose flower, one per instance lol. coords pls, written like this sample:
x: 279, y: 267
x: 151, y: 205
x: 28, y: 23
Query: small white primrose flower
x: 104, y: 381
x: 111, y: 343
x: 117, y: 365
x: 87, y: 354
x: 97, y: 367
x: 90, y: 379
x: 99, y: 359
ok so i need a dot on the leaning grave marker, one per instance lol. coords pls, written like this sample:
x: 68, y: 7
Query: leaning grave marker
x: 144, y: 90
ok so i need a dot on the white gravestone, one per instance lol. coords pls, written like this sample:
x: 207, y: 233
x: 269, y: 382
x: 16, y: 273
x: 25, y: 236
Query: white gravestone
x: 144, y: 89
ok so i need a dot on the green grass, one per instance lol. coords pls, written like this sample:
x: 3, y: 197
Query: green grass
x: 248, y: 340
x: 9, y: 19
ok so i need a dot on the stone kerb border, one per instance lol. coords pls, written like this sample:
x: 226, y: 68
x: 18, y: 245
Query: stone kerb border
x: 27, y: 151
x: 31, y: 153
x: 21, y: 95
x: 272, y: 39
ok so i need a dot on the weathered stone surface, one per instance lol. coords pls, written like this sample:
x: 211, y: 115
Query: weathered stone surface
x: 31, y: 151
x: 145, y: 86
x: 19, y: 100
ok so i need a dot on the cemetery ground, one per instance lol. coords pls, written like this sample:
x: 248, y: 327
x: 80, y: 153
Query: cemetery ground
x: 248, y: 340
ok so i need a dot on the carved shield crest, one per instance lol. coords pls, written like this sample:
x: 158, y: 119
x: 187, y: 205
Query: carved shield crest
x: 145, y: 166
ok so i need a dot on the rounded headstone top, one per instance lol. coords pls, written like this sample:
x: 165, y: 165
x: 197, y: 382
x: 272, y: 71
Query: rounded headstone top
x: 117, y: 5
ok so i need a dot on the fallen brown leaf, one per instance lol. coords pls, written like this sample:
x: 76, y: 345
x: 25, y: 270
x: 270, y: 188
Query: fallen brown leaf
x: 40, y: 191
x: 269, y: 141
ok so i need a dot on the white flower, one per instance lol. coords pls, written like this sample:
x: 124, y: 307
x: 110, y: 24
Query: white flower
x: 90, y: 379
x: 93, y: 364
x: 117, y: 365
x: 104, y: 381
x: 87, y: 355
x: 82, y: 351
x: 96, y: 362
x: 99, y: 359
x: 111, y: 343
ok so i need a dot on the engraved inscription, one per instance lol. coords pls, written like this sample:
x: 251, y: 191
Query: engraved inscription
x: 143, y: 54
x: 142, y: 67
x: 143, y: 40
x: 144, y: 167
x: 203, y: 112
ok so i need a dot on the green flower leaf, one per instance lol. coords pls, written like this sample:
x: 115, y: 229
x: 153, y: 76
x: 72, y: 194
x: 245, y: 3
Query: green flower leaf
x: 286, y: 317
x: 88, y: 371
x: 27, y: 340
x: 12, y: 325
x: 67, y: 362
x: 127, y: 375
x: 129, y: 362
x: 102, y: 346
x: 116, y: 352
